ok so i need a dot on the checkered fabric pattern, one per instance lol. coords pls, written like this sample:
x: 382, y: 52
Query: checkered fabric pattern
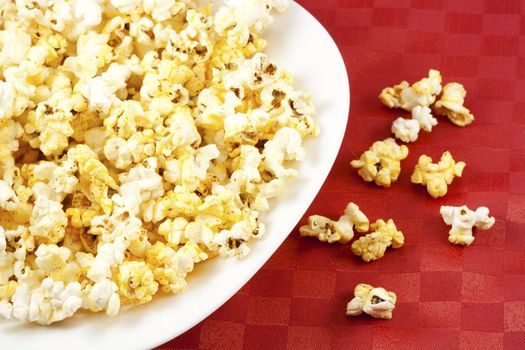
x: 449, y: 297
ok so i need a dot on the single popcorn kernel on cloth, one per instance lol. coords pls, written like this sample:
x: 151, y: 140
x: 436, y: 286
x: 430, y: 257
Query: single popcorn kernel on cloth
x: 437, y: 176
x: 451, y: 103
x: 342, y: 230
x: 463, y: 220
x: 382, y: 162
x: 376, y: 302
x: 137, y: 139
x: 422, y: 93
x: 373, y: 246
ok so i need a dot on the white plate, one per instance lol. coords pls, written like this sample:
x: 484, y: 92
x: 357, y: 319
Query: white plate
x: 299, y: 43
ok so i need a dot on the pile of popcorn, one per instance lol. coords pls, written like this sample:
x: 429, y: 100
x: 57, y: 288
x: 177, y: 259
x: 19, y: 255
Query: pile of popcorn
x: 137, y: 139
x: 381, y: 164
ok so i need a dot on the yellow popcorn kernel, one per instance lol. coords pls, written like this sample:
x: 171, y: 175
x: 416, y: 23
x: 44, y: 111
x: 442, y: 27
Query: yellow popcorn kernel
x: 170, y: 280
x: 376, y: 302
x: 93, y: 170
x: 81, y: 217
x: 156, y: 255
x: 437, y: 176
x: 7, y: 290
x: 421, y: 93
x: 97, y: 45
x: 373, y: 245
x: 391, y: 96
x: 82, y: 122
x: 136, y: 282
x: 123, y: 118
x: 173, y: 230
x: 382, y: 162
x: 451, y: 105
x: 54, y: 128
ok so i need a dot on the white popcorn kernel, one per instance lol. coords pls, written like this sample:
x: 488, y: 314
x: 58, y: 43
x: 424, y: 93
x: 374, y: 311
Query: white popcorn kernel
x: 463, y: 220
x: 118, y: 152
x: 8, y: 198
x: 423, y: 115
x: 286, y: 145
x: 406, y: 130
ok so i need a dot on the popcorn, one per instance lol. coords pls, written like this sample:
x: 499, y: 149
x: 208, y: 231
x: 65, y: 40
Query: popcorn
x: 373, y: 245
x: 421, y: 93
x: 424, y: 117
x: 48, y: 220
x: 341, y: 231
x: 51, y: 257
x: 382, y: 162
x: 137, y: 139
x: 15, y: 44
x: 451, y: 105
x: 286, y: 145
x: 437, y: 176
x: 8, y: 198
x: 406, y: 130
x: 52, y: 301
x: 136, y: 282
x: 376, y: 302
x: 463, y: 220
x: 102, y: 296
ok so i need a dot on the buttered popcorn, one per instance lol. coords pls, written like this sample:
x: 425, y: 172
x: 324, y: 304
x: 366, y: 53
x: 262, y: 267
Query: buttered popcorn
x: 406, y: 96
x: 382, y: 162
x: 373, y: 245
x: 451, y: 103
x: 137, y: 139
x: 437, y: 176
x: 342, y: 230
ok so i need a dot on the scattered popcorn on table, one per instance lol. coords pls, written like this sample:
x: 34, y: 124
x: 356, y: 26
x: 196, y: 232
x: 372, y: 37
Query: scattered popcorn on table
x: 382, y: 162
x: 373, y: 245
x: 341, y: 231
x: 463, y: 220
x: 451, y: 103
x: 137, y: 139
x: 376, y: 302
x: 437, y: 176
x: 421, y: 93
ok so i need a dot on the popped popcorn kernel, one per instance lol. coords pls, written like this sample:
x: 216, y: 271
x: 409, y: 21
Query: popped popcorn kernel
x: 382, y: 162
x: 406, y: 130
x: 437, y: 176
x: 341, y: 231
x: 374, y: 301
x: 451, y: 105
x: 373, y: 245
x: 462, y: 221
x: 423, y: 115
x: 406, y: 96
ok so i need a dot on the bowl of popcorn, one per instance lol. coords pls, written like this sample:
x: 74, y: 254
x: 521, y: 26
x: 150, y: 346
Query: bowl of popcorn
x: 153, y: 155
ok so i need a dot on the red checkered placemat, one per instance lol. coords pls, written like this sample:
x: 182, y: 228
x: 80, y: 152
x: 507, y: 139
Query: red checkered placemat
x: 449, y: 297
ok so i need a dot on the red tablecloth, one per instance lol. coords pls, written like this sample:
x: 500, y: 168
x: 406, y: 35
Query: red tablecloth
x: 449, y: 297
